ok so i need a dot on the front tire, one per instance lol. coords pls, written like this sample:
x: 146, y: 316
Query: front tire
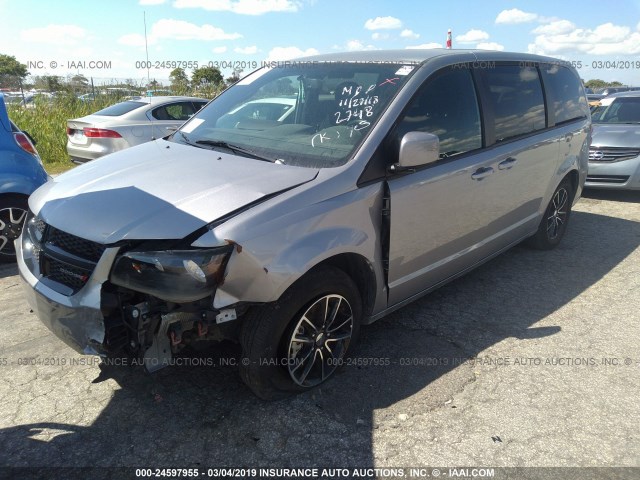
x: 13, y: 211
x: 556, y: 218
x: 299, y: 342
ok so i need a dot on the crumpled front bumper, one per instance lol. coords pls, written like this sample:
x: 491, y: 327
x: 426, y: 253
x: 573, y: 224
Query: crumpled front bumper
x: 76, y: 319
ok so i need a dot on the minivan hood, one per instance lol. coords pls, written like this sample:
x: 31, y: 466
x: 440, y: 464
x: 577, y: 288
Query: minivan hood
x: 158, y: 190
x: 616, y: 135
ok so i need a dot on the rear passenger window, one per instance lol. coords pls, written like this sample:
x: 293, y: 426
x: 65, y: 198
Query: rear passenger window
x: 447, y: 107
x: 518, y: 103
x: 565, y: 93
x: 175, y: 111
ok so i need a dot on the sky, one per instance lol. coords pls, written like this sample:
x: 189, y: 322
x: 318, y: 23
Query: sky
x: 105, y: 40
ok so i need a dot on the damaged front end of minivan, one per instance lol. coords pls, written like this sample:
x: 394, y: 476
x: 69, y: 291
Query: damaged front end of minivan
x: 146, y: 300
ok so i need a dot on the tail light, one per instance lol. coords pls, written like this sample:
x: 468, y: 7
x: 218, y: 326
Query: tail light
x: 70, y: 131
x: 101, y: 133
x: 23, y: 141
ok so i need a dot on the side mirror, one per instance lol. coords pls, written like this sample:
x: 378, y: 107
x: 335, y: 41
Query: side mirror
x: 417, y: 149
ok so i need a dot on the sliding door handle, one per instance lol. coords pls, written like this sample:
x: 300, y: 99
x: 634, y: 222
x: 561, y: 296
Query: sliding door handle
x: 507, y: 164
x: 482, y: 173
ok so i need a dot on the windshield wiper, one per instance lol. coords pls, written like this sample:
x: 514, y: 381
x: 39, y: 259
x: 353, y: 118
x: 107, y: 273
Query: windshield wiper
x: 234, y: 149
x: 186, y: 139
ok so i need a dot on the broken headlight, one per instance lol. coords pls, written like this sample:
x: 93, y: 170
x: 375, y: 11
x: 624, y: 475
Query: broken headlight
x: 178, y: 276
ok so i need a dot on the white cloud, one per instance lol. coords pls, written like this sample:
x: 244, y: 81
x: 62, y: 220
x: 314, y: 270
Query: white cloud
x: 287, y: 53
x: 353, y: 45
x: 246, y: 50
x: 605, y: 39
x: 219, y: 49
x: 383, y: 23
x: 406, y: 33
x: 177, y: 30
x: 181, y: 30
x: 472, y: 36
x: 242, y: 7
x: 557, y: 27
x: 54, y: 34
x: 379, y: 36
x: 489, y: 46
x: 426, y: 46
x: 515, y: 16
x: 151, y: 2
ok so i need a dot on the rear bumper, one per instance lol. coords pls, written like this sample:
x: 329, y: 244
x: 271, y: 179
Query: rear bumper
x: 623, y: 175
x: 96, y: 149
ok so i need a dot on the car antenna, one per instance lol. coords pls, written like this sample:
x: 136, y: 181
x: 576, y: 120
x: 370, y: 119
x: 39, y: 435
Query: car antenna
x: 146, y: 48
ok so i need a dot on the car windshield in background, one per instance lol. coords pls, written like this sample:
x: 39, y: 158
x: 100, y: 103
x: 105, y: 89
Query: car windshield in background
x: 620, y: 110
x: 120, y: 109
x: 310, y: 115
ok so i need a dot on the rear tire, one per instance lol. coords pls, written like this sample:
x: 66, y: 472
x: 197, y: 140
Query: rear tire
x: 298, y: 342
x: 555, y: 219
x: 13, y: 211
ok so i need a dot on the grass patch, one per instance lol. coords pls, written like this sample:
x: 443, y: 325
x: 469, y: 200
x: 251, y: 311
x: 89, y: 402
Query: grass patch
x: 46, y: 122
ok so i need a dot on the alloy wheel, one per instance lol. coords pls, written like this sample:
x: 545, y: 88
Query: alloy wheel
x: 320, y: 340
x: 11, y: 223
x: 557, y: 214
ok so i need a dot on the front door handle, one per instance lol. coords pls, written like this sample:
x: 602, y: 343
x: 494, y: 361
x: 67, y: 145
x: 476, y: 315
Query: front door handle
x: 482, y: 173
x: 507, y: 163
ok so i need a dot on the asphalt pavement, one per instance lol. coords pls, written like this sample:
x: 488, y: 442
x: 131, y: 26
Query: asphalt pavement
x: 532, y: 360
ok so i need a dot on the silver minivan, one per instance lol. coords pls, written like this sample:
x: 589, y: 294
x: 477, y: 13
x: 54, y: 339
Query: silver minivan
x: 366, y: 181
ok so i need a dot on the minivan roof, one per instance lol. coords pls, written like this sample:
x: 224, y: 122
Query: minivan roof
x: 421, y: 55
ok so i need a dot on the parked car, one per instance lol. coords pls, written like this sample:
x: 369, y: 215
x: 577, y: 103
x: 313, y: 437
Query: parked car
x: 21, y: 172
x: 157, y: 93
x: 594, y: 99
x: 32, y: 100
x: 614, y: 155
x: 88, y: 97
x: 126, y: 124
x: 395, y: 173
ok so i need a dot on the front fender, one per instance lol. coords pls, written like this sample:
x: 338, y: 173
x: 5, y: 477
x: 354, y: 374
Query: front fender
x: 250, y: 280
x: 275, y: 250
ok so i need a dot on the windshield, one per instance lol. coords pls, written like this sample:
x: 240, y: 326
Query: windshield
x: 306, y: 114
x: 620, y: 110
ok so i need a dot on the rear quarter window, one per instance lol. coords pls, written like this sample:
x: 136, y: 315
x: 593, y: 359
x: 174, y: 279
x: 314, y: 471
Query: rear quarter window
x: 565, y: 94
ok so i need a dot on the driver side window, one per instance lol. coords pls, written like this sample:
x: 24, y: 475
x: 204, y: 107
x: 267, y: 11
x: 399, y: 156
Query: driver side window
x: 445, y: 106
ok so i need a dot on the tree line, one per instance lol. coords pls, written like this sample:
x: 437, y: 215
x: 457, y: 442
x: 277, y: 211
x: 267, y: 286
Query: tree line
x: 204, y: 80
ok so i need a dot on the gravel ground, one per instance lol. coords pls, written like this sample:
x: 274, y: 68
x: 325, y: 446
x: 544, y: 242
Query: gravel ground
x: 529, y: 361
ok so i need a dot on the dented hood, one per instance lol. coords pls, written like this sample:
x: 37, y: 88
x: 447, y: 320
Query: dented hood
x: 158, y: 190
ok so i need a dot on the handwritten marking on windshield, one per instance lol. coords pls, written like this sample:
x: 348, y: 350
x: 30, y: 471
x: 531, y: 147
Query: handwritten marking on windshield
x: 322, y: 137
x: 390, y: 81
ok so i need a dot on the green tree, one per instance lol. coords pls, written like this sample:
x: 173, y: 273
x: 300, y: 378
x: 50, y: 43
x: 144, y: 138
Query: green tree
x: 595, y: 83
x: 50, y: 83
x: 12, y: 72
x: 179, y: 81
x: 79, y: 82
x: 615, y: 84
x: 207, y: 76
x: 235, y: 76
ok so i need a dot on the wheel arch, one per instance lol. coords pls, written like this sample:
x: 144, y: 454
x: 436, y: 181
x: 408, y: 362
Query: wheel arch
x: 574, y: 178
x: 361, y: 272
